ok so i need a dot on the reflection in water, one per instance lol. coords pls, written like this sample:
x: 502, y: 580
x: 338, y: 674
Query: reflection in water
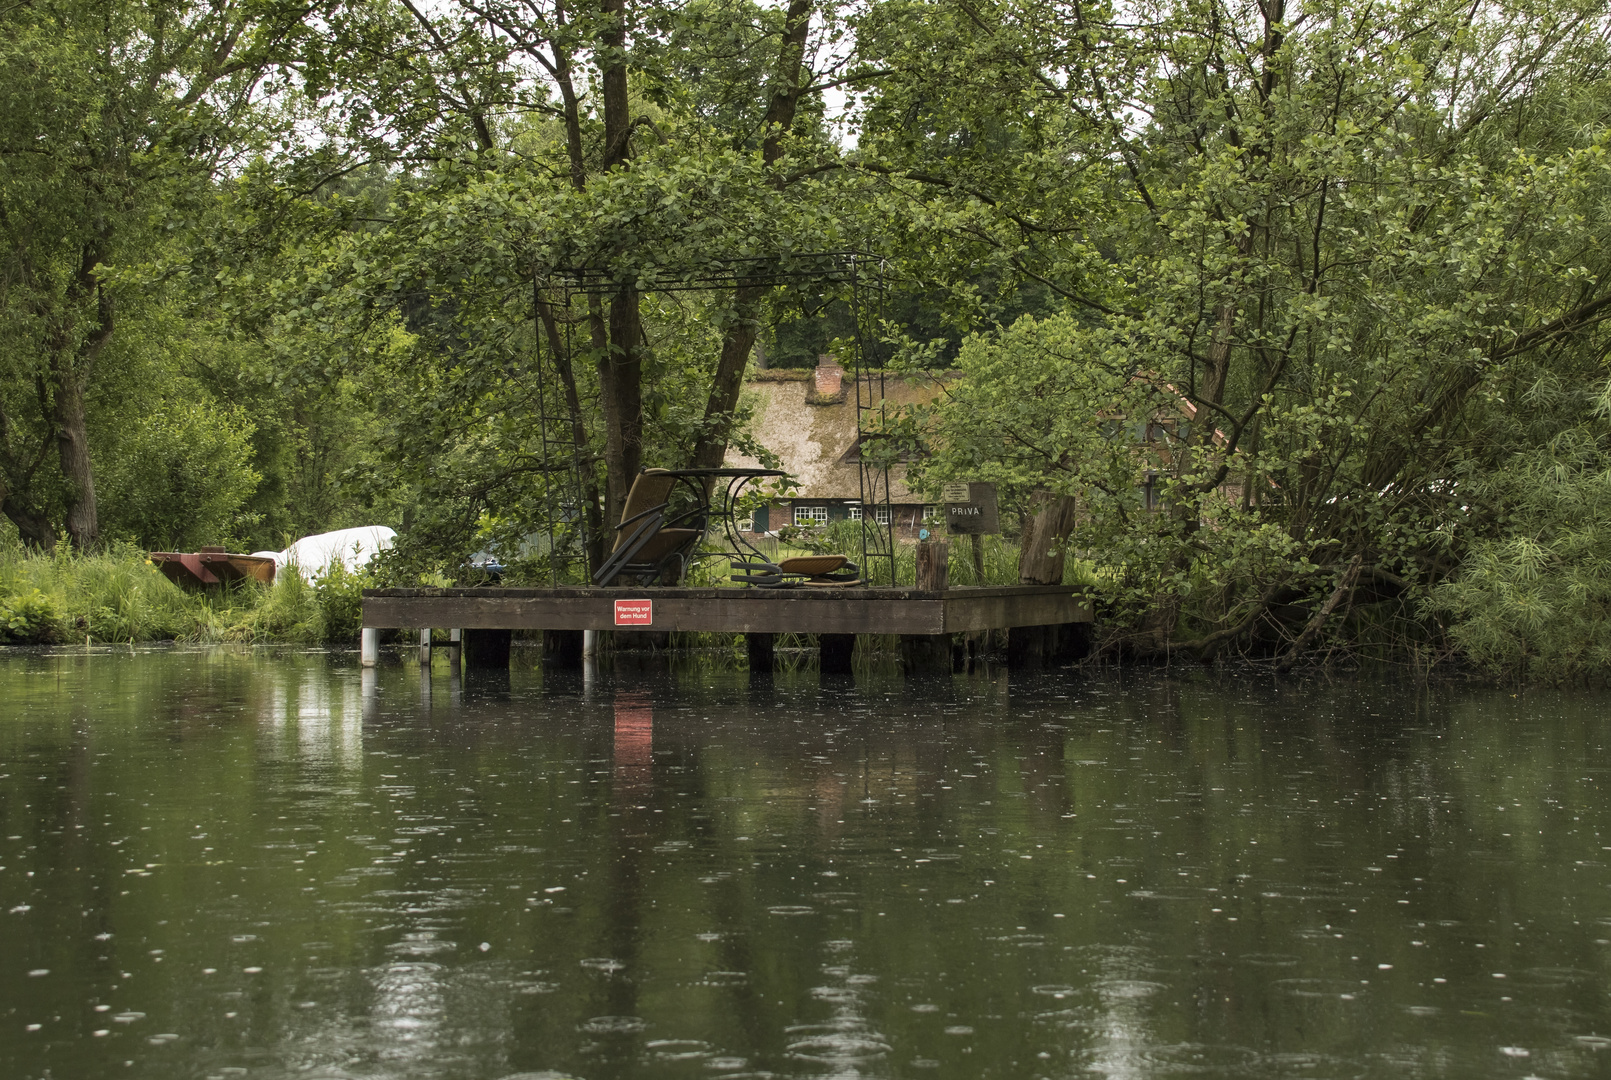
x: 221, y: 863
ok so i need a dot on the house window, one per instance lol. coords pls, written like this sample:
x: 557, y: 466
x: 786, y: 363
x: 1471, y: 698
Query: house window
x: 809, y: 516
x: 853, y: 511
x: 747, y: 522
x: 881, y: 514
x: 930, y: 512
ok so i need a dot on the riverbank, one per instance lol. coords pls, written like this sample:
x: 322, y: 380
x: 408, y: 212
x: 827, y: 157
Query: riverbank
x: 119, y: 596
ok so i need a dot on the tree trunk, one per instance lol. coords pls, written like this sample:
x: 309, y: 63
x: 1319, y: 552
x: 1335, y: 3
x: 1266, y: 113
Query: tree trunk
x: 33, y: 526
x: 1047, y: 527
x: 72, y: 444
x: 617, y: 331
x: 621, y: 380
x: 737, y: 342
x: 565, y: 365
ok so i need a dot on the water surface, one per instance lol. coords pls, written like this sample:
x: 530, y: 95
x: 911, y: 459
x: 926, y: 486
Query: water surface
x: 225, y: 864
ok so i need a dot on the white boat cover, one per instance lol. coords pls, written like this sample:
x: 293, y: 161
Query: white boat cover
x: 354, y: 547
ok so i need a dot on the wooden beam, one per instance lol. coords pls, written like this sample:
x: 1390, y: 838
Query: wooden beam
x: 747, y: 611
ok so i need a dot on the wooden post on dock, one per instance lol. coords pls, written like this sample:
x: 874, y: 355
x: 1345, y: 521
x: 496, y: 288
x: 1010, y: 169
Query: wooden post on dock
x: 761, y: 653
x: 487, y: 648
x: 369, y: 646
x: 425, y: 648
x: 929, y: 654
x: 836, y: 653
x: 563, y: 649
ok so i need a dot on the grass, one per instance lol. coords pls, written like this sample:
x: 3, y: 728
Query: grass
x: 117, y: 595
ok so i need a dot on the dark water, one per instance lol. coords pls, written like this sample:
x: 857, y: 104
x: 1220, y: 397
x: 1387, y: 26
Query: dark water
x: 219, y: 864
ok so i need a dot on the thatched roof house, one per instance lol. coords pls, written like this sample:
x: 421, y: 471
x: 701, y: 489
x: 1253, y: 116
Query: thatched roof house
x: 808, y: 419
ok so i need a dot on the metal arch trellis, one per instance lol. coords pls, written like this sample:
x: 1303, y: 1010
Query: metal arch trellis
x: 861, y: 271
x: 563, y: 326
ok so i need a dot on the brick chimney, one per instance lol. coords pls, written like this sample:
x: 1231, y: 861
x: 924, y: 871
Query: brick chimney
x: 830, y: 376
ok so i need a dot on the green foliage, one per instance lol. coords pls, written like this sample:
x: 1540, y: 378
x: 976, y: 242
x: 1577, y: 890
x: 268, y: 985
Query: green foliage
x: 1303, y: 297
x: 118, y: 596
x: 182, y: 478
x: 28, y: 619
x: 1532, y: 598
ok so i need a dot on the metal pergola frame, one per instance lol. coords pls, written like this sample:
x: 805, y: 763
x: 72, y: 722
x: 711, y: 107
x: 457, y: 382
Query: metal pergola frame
x: 860, y: 270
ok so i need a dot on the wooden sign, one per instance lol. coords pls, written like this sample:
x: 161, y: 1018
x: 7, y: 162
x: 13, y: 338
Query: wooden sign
x: 634, y: 613
x: 975, y: 514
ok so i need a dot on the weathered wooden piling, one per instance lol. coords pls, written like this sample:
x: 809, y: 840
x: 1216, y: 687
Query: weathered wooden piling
x: 563, y: 649
x: 762, y: 652
x: 487, y: 648
x: 836, y: 653
x: 925, y: 655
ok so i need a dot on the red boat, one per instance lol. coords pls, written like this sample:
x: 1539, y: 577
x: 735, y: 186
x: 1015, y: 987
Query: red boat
x: 212, y: 566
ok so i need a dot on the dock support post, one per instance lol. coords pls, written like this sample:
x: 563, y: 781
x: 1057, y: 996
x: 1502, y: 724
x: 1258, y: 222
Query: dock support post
x: 760, y: 649
x: 455, y: 649
x: 425, y: 647
x: 369, y: 646
x: 837, y: 651
x: 1030, y: 648
x: 926, y: 654
x: 487, y: 648
x: 563, y: 648
x: 929, y: 654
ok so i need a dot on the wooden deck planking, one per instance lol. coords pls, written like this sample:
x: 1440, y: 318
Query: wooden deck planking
x: 748, y: 611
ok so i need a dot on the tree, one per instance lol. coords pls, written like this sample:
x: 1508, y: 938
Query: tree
x: 528, y: 142
x: 1343, y: 236
x: 113, y: 117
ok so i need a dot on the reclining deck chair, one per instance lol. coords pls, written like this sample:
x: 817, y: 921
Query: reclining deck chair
x: 649, y: 544
x: 821, y: 570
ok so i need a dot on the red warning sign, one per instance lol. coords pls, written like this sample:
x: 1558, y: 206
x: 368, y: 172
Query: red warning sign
x: 634, y: 612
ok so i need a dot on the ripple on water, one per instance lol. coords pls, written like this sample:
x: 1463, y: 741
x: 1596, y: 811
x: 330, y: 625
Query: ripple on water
x: 1181, y: 1059
x: 835, y: 1044
x: 1269, y: 960
x: 426, y: 944
x: 1022, y: 941
x: 724, y: 978
x: 613, y: 1025
x: 1318, y: 988
x: 1126, y: 989
x: 678, y: 1049
x: 1056, y: 990
x: 1302, y: 1066
x: 1176, y: 894
x: 1548, y: 977
x: 791, y: 909
x: 603, y: 963
x: 535, y: 987
x: 1306, y: 891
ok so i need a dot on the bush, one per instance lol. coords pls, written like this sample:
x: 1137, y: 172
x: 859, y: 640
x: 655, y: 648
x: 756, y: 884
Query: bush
x: 29, y: 619
x: 181, y: 479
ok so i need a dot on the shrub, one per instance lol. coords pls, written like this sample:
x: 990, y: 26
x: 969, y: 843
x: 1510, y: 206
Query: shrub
x: 29, y: 619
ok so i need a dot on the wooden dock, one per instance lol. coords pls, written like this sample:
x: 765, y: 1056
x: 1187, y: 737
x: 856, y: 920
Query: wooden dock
x: 924, y: 619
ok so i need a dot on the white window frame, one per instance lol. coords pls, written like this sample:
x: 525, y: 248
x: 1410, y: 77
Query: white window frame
x: 854, y: 511
x: 882, y: 514
x: 809, y: 517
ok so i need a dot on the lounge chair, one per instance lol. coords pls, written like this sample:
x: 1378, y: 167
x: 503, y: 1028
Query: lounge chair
x: 653, y: 542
